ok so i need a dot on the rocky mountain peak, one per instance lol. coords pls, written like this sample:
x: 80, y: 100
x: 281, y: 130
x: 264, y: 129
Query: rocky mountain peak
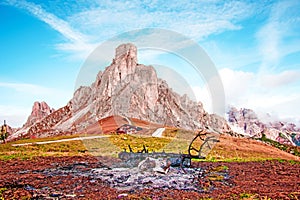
x: 127, y: 51
x: 39, y: 111
x: 131, y: 90
x: 125, y: 86
x: 124, y: 63
x: 42, y: 106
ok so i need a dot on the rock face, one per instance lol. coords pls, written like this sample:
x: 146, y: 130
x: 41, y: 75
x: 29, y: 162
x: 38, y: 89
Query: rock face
x: 246, y: 122
x: 131, y: 90
x: 47, y: 126
x: 39, y: 111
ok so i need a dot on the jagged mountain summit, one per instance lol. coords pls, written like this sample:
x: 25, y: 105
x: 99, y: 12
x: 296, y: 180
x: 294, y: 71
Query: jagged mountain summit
x: 39, y: 111
x: 130, y: 89
x: 247, y: 122
x: 127, y: 88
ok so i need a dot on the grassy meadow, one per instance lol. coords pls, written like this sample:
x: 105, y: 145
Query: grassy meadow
x: 174, y: 140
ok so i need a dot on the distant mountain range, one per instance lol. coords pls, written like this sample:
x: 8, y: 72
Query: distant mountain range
x: 132, y: 90
x: 246, y: 122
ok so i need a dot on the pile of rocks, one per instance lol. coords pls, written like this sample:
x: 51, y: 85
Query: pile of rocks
x: 134, y: 179
x: 152, y: 173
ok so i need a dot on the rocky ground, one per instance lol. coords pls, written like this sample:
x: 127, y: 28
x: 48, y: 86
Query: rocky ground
x: 74, y: 178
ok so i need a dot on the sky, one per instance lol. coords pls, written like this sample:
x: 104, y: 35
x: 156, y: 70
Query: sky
x: 254, y: 45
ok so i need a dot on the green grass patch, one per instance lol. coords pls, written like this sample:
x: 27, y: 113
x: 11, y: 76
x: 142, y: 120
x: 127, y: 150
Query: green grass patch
x: 102, y: 147
x: 294, y: 162
x: 153, y: 144
x: 70, y: 148
x: 250, y: 159
x: 171, y: 132
x: 295, y: 150
x: 179, y: 134
x: 238, y: 159
x: 247, y: 196
x: 230, y: 160
x: 109, y: 146
x: 113, y: 145
x: 177, y: 142
x: 137, y: 142
x: 238, y: 150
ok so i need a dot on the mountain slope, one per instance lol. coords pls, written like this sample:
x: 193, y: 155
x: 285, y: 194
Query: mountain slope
x: 246, y: 149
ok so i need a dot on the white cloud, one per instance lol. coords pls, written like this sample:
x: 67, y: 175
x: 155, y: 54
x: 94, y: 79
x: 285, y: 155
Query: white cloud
x: 273, y: 37
x: 243, y: 89
x: 17, y: 99
x: 29, y: 89
x: 282, y: 79
x: 77, y: 51
x: 195, y: 19
x: 269, y: 37
x: 56, y: 23
x: 31, y: 93
x: 76, y: 42
x: 202, y: 94
x: 15, y: 116
x: 229, y: 57
x: 100, y: 20
x: 237, y: 85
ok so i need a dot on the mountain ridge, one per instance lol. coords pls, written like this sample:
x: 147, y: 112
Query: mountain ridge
x: 130, y: 89
x: 127, y: 88
x: 246, y: 122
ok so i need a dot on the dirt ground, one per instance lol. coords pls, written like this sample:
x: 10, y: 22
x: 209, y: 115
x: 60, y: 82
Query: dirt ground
x: 38, y: 179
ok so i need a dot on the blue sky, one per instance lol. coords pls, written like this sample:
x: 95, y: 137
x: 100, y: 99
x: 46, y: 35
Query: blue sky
x: 255, y: 45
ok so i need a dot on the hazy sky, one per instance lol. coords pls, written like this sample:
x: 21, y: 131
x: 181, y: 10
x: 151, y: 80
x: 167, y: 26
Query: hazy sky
x: 255, y: 46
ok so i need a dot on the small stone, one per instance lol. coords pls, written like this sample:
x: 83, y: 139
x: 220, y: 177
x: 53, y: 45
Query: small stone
x: 55, y: 195
x: 122, y: 195
x: 70, y: 195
